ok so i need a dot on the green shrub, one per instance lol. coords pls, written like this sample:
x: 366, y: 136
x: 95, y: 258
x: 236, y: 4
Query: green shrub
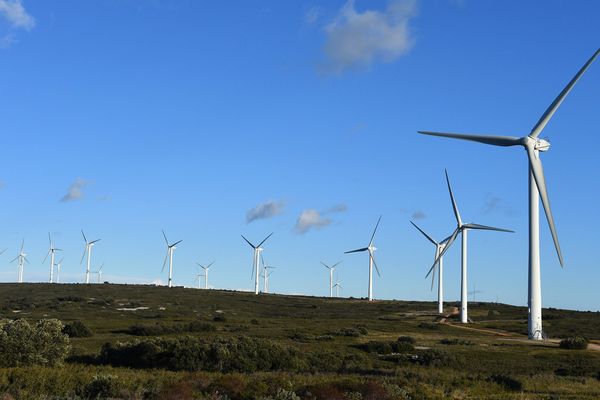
x: 429, y: 325
x: 23, y: 344
x: 455, y: 341
x: 101, y: 387
x: 220, y: 317
x: 77, y: 329
x: 161, y: 329
x: 282, y: 394
x: 507, y: 382
x: 407, y: 339
x: 433, y: 358
x: 383, y: 347
x: 574, y: 343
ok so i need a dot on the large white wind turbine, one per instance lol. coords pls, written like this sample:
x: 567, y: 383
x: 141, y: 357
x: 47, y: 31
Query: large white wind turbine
x: 331, y: 270
x: 462, y: 229
x: 255, y: 260
x: 205, y: 275
x: 22, y: 257
x: 88, y: 251
x: 439, y: 247
x: 533, y: 144
x: 51, y: 252
x: 370, y: 249
x: 170, y: 249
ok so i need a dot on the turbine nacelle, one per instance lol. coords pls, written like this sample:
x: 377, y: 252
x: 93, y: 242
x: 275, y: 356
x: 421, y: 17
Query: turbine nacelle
x: 538, y: 144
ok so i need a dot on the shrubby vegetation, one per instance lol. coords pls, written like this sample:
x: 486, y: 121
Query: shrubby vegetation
x: 574, y: 343
x: 42, y: 343
x: 77, y: 329
x: 162, y: 329
x: 508, y: 382
x: 456, y: 341
x: 402, y: 345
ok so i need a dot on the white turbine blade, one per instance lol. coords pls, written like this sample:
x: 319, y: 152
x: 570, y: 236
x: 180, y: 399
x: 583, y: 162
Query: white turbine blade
x: 374, y: 230
x: 26, y: 260
x: 375, y: 264
x: 262, y: 260
x: 424, y: 234
x: 454, y: 206
x: 487, y: 139
x: 325, y: 265
x: 538, y: 173
x: 84, y: 251
x: 165, y: 262
x: 450, y: 241
x: 209, y: 265
x: 541, y: 124
x: 176, y: 243
x: 336, y: 264
x: 47, y: 254
x: 433, y: 277
x: 50, y: 239
x: 2, y: 252
x: 84, y: 238
x: 357, y: 250
x: 486, y: 228
x: 247, y: 241
x: 13, y: 260
x: 165, y: 236
x: 94, y: 241
x: 260, y: 244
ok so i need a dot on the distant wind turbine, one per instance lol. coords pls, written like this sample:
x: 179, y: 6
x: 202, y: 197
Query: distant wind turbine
x: 266, y: 274
x: 462, y: 229
x: 58, y: 266
x: 370, y: 249
x: 439, y: 247
x: 533, y: 144
x: 51, y: 252
x: 99, y: 273
x: 170, y: 249
x: 337, y: 287
x: 88, y: 251
x: 331, y: 270
x: 205, y: 275
x: 22, y: 257
x: 255, y: 260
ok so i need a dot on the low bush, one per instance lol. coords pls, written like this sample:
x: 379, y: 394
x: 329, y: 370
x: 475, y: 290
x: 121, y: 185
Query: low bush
x: 429, y: 325
x: 455, y: 341
x: 574, y: 343
x: 101, y: 387
x: 508, y: 382
x: 77, y: 329
x: 220, y: 317
x: 407, y: 339
x: 434, y: 358
x: 383, y: 347
x: 42, y: 343
x: 161, y: 329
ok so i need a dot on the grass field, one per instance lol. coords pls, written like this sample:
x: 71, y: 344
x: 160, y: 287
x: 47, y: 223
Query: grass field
x: 340, y: 347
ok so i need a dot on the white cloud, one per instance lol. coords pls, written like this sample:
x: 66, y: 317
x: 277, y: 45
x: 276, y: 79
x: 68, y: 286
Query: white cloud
x: 357, y: 40
x: 16, y: 15
x: 312, y: 15
x: 75, y: 191
x: 310, y: 219
x: 338, y: 208
x: 264, y: 210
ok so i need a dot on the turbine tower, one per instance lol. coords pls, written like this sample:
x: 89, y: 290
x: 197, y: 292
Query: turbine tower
x: 99, y: 274
x: 266, y: 274
x: 205, y: 275
x: 533, y: 144
x: 51, y: 252
x: 88, y: 251
x: 170, y: 249
x: 371, y: 249
x: 331, y: 270
x: 58, y: 265
x: 22, y: 257
x: 462, y: 229
x: 439, y: 247
x: 255, y: 262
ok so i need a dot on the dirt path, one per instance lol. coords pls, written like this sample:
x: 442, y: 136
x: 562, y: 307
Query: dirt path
x: 470, y: 328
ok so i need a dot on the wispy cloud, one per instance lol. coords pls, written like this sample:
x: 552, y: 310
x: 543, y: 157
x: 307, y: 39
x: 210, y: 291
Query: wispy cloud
x: 309, y: 219
x: 418, y: 214
x: 75, y: 191
x: 493, y: 203
x: 338, y: 208
x: 17, y: 17
x: 265, y: 210
x: 313, y: 14
x: 358, y: 39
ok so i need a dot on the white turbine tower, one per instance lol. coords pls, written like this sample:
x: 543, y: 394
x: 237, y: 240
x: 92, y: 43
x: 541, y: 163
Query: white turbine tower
x: 88, y: 251
x: 51, y: 252
x: 170, y: 249
x: 331, y: 270
x: 58, y: 266
x: 370, y: 249
x: 205, y: 275
x: 533, y: 144
x: 439, y: 247
x: 255, y: 260
x: 462, y: 229
x: 266, y: 274
x: 99, y: 274
x: 337, y: 287
x: 22, y: 257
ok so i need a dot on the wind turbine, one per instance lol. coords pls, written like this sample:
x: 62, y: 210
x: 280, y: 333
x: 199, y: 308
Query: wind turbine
x: 22, y: 257
x: 371, y: 249
x: 474, y: 292
x: 337, y: 286
x: 51, y: 253
x: 537, y: 187
x: 88, y: 251
x: 462, y: 229
x: 58, y: 265
x: 439, y: 247
x: 266, y: 274
x: 170, y: 249
x: 331, y: 269
x: 255, y: 262
x: 99, y: 273
x: 205, y: 275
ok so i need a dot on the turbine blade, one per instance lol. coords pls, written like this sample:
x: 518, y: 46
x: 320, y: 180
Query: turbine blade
x: 538, y: 173
x: 437, y: 259
x: 247, y: 241
x: 209, y: 265
x: 357, y: 250
x: 374, y: 230
x: 433, y: 277
x: 454, y: 206
x: 375, y: 264
x: 424, y: 234
x: 176, y: 243
x: 325, y: 265
x: 84, y: 238
x: 260, y: 244
x: 165, y: 262
x: 2, y: 252
x: 487, y: 139
x: 336, y: 264
x: 165, y: 236
x: 22, y: 244
x: 541, y: 124
x: 83, y: 256
x: 50, y: 239
x: 13, y: 260
x: 94, y: 241
x: 47, y: 254
x: 486, y: 228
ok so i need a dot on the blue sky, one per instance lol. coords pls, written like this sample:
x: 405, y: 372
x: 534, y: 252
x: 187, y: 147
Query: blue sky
x: 124, y: 117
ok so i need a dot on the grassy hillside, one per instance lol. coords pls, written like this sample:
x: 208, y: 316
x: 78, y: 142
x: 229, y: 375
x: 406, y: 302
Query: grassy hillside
x: 333, y: 348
